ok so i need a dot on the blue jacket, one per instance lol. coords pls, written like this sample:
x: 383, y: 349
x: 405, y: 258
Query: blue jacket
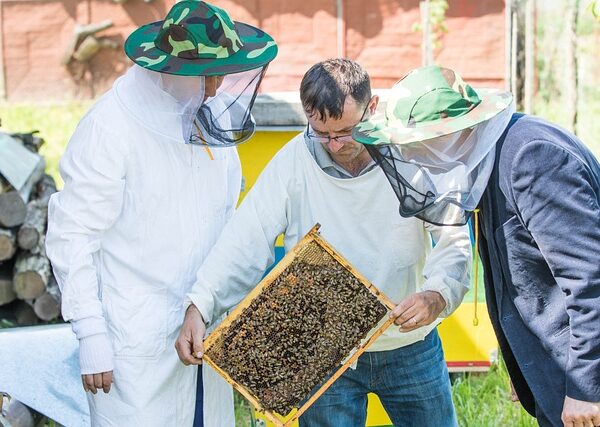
x: 540, y: 248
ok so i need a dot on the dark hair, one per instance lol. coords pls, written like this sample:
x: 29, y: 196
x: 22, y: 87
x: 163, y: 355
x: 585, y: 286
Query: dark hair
x: 326, y: 85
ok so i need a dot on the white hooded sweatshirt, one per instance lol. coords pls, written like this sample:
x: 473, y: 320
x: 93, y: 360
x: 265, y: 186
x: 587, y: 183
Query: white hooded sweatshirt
x: 139, y: 212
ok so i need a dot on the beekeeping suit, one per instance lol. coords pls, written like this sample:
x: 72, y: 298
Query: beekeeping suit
x: 139, y: 212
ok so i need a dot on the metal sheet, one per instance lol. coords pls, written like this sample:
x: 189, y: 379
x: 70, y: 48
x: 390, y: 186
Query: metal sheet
x: 39, y: 366
x: 17, y: 163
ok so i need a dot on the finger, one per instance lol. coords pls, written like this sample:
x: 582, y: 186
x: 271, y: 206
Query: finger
x: 98, y: 381
x: 410, y: 325
x: 596, y: 420
x: 197, y: 344
x: 106, y: 381
x: 89, y: 381
x: 85, y: 387
x: 401, y: 308
x: 406, y: 318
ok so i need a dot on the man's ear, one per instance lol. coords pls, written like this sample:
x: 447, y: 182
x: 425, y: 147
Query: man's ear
x: 373, y: 103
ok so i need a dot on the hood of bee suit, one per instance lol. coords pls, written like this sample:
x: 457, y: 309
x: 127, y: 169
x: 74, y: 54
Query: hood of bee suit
x: 164, y: 104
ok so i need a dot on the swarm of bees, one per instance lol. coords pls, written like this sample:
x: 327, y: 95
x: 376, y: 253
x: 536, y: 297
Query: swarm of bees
x: 297, y: 331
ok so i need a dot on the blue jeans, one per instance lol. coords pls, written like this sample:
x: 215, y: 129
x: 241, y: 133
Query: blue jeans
x: 412, y: 383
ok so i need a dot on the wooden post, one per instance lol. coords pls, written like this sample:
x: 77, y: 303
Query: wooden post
x: 514, y: 55
x: 571, y: 95
x: 3, y: 94
x: 426, y: 47
x: 507, y: 45
x: 529, y: 56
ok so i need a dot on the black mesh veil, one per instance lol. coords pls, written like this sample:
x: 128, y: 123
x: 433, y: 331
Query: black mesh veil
x: 225, y: 119
x: 417, y: 199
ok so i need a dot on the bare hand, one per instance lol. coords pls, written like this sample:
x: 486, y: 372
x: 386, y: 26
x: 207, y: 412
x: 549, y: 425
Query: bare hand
x: 418, y: 310
x: 189, y: 342
x: 577, y: 413
x: 94, y: 382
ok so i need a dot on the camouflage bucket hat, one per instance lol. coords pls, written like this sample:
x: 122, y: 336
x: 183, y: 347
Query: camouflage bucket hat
x: 427, y: 103
x: 197, y: 38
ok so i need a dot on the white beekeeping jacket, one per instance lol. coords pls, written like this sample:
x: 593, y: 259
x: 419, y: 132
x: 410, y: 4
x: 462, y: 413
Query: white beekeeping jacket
x: 139, y: 212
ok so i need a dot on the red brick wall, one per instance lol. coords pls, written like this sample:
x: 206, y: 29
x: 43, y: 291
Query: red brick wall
x: 377, y: 33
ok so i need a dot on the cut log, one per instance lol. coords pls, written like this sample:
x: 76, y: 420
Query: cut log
x: 33, y: 228
x: 47, y: 307
x: 81, y: 32
x: 18, y: 415
x: 8, y: 245
x: 30, y: 140
x: 12, y: 209
x: 32, y: 273
x: 45, y: 188
x: 7, y: 293
x: 24, y: 314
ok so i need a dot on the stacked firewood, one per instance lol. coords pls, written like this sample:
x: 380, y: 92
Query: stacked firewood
x: 28, y: 291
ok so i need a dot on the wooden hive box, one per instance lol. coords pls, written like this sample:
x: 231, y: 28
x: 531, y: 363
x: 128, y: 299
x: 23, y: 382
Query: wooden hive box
x: 302, y: 326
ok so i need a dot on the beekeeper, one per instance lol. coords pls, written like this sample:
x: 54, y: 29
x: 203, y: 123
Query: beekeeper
x: 146, y: 195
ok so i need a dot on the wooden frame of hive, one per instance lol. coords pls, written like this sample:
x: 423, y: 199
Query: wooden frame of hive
x: 311, y: 236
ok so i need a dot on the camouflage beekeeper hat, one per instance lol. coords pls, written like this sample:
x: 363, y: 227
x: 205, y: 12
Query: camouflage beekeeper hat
x: 197, y: 38
x: 427, y: 103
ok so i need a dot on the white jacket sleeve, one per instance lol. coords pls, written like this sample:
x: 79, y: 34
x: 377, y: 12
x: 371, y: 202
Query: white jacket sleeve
x: 245, y: 248
x: 93, y: 170
x: 448, y: 267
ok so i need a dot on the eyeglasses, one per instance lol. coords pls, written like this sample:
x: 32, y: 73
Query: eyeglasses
x: 342, y: 139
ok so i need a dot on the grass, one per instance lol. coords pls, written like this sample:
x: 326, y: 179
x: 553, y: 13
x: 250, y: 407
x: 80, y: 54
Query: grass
x: 56, y: 123
x: 484, y: 400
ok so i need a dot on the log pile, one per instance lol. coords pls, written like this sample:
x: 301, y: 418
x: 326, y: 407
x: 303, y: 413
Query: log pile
x: 28, y: 291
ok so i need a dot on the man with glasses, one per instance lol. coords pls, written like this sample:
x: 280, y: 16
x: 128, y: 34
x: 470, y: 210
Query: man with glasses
x: 323, y: 175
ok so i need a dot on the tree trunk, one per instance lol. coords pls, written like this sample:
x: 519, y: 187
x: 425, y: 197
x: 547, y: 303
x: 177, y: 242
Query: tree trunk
x: 8, y: 243
x: 32, y: 273
x: 47, y: 307
x: 32, y: 231
x: 12, y: 209
x: 7, y: 293
x: 572, y: 16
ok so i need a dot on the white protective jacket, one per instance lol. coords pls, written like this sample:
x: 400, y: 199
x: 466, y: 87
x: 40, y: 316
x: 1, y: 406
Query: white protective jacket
x: 137, y: 216
x: 358, y: 216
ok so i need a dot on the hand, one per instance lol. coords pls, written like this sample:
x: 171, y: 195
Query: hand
x: 94, y: 382
x: 577, y: 413
x: 189, y: 342
x: 418, y: 310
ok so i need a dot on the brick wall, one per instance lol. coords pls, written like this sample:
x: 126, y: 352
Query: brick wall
x: 377, y: 33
